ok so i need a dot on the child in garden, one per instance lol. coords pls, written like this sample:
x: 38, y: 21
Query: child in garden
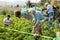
x: 7, y: 21
x: 39, y: 20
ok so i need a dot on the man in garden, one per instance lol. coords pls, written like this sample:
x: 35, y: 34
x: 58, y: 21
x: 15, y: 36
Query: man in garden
x: 39, y: 19
x: 7, y: 21
x: 50, y: 12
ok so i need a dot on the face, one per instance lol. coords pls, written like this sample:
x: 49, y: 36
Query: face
x: 32, y: 12
x: 46, y: 5
x: 8, y: 18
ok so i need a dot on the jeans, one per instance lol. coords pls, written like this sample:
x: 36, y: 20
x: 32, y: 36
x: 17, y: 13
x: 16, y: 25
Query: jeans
x: 51, y: 14
x: 47, y: 13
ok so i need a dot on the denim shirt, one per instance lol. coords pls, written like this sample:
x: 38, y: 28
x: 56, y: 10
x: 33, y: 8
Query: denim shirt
x: 38, y: 16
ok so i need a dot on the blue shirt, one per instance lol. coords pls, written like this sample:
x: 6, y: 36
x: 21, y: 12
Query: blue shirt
x: 49, y: 8
x: 38, y: 16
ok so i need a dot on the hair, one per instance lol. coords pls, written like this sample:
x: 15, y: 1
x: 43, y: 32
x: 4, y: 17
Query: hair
x: 17, y: 14
x: 8, y: 15
x: 46, y: 3
x: 31, y: 9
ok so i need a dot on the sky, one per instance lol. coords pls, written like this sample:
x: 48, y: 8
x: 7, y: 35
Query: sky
x: 15, y: 2
x: 34, y: 1
x: 12, y: 0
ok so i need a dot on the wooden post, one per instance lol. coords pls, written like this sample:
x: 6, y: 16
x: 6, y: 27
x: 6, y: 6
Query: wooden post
x: 58, y: 34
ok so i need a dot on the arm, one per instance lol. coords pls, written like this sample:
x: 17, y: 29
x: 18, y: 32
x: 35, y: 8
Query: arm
x: 37, y: 23
x: 33, y: 18
x: 4, y: 21
x: 11, y: 21
x: 48, y: 7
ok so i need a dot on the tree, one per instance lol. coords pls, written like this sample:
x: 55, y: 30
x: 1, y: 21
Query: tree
x: 44, y: 1
x: 29, y: 4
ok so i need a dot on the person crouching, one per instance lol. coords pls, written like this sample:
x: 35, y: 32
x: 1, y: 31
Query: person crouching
x: 7, y: 21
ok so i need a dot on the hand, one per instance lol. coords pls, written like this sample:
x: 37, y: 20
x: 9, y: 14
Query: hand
x: 34, y: 27
x: 12, y: 22
x: 33, y: 20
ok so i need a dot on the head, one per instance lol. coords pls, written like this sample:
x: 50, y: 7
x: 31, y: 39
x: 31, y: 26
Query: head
x: 8, y: 16
x: 46, y: 4
x: 32, y: 11
x: 17, y: 13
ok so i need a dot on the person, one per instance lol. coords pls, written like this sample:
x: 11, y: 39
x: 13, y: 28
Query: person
x: 56, y: 12
x: 38, y: 18
x: 57, y: 15
x: 7, y: 21
x: 50, y: 13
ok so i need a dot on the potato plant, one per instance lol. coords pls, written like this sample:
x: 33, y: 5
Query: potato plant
x: 22, y: 24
